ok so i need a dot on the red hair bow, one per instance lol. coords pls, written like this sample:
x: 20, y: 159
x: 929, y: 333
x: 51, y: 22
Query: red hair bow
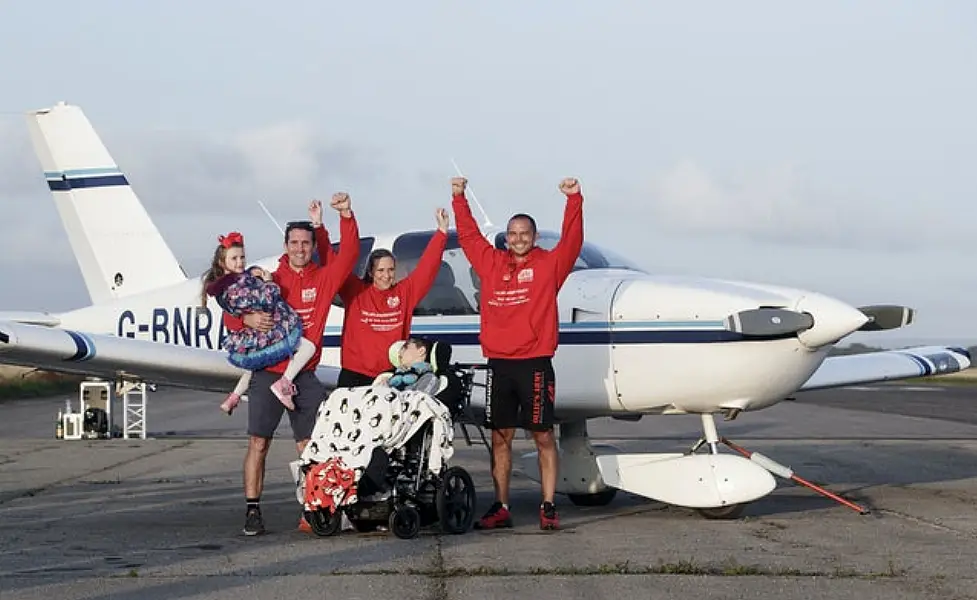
x: 232, y: 238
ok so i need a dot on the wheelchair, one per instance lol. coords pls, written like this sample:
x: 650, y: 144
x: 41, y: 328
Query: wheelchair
x: 396, y: 485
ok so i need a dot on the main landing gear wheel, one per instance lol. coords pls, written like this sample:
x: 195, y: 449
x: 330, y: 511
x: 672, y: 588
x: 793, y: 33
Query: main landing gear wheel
x: 733, y: 511
x: 602, y: 498
x: 405, y: 522
x: 456, y: 501
x: 323, y: 524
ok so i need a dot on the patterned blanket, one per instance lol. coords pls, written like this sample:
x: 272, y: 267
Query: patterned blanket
x: 355, y: 431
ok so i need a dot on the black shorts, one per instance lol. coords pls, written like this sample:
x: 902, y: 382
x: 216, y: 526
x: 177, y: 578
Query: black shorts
x: 520, y: 394
x: 265, y: 409
x: 353, y: 379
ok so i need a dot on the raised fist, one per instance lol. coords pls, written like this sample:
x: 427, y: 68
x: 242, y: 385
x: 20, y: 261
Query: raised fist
x: 458, y: 186
x: 442, y: 217
x: 315, y: 212
x: 340, y: 201
x: 570, y: 186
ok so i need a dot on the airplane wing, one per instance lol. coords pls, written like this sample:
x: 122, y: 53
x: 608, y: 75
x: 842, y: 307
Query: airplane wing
x: 872, y: 367
x: 110, y: 357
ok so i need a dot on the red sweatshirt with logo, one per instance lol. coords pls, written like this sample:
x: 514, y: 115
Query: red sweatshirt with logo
x: 310, y: 290
x: 376, y: 319
x: 519, y: 316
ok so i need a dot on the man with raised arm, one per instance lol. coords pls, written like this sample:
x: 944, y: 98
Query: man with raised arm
x: 519, y: 337
x: 309, y: 289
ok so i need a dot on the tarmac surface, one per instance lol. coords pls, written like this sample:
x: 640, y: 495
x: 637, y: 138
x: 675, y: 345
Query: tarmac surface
x: 162, y: 517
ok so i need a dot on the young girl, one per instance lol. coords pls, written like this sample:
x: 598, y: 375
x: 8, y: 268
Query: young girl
x: 237, y: 292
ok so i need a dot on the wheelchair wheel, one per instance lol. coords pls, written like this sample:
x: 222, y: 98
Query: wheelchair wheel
x: 323, y: 524
x: 405, y: 522
x: 456, y: 501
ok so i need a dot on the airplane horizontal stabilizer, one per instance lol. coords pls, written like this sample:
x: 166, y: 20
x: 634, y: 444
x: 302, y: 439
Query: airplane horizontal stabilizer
x: 111, y: 357
x: 30, y: 318
x: 888, y: 365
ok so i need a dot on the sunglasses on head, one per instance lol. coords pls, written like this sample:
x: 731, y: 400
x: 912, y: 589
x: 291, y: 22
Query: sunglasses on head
x: 306, y: 225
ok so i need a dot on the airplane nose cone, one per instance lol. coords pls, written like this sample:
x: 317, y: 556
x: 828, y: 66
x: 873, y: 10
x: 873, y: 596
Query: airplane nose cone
x: 833, y: 320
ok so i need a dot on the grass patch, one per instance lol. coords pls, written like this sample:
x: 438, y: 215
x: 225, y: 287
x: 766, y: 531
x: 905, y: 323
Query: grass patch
x: 728, y: 568
x: 17, y: 384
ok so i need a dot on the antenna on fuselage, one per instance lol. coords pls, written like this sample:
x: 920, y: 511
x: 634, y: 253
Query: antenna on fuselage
x: 488, y: 223
x: 267, y: 212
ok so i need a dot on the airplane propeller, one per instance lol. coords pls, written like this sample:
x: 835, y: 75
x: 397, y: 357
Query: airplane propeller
x: 886, y: 316
x: 765, y: 322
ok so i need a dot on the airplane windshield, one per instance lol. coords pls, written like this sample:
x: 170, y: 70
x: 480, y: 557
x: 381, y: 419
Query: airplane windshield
x: 456, y: 289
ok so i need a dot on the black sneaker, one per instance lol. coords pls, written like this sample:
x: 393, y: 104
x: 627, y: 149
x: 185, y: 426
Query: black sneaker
x: 496, y: 517
x: 253, y: 524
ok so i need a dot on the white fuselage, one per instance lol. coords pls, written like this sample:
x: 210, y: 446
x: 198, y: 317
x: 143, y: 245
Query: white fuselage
x: 629, y: 342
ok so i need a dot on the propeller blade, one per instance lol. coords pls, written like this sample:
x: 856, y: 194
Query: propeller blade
x: 764, y: 322
x: 886, y: 316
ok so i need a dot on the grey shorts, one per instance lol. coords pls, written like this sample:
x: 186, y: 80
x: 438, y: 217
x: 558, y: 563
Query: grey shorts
x: 265, y: 409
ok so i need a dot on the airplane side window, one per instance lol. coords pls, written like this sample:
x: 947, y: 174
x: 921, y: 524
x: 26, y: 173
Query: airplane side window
x: 366, y: 246
x: 452, y: 292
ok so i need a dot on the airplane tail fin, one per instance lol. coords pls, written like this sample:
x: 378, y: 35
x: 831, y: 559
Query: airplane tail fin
x: 118, y: 248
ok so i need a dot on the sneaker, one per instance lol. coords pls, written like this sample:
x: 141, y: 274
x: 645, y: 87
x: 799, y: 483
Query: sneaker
x: 230, y: 403
x: 548, y: 519
x: 284, y: 389
x: 304, y: 526
x: 253, y: 523
x: 496, y: 517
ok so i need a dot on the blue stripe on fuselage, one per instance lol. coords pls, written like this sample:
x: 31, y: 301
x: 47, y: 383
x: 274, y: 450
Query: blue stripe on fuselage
x: 583, y: 336
x: 84, y: 347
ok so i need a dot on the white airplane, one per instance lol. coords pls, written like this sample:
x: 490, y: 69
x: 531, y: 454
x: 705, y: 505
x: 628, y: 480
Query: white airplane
x: 631, y: 343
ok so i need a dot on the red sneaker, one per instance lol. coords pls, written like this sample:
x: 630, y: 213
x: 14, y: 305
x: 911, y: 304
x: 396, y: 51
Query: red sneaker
x: 548, y: 519
x: 497, y: 517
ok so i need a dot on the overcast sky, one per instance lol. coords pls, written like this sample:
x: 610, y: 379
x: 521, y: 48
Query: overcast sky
x: 831, y: 146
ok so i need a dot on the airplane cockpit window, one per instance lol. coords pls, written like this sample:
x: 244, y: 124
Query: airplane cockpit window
x: 454, y: 291
x: 591, y: 255
x: 366, y: 246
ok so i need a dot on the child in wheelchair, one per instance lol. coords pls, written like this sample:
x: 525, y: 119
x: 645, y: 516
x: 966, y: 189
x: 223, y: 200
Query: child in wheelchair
x: 379, y: 453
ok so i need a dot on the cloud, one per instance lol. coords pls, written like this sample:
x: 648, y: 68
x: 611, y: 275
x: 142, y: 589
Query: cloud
x: 778, y: 204
x: 193, y: 184
x: 281, y: 164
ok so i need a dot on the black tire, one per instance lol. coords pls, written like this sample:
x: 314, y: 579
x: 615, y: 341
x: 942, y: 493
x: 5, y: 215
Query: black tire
x: 602, y: 498
x: 456, y: 501
x: 405, y: 522
x: 323, y: 524
x: 732, y: 511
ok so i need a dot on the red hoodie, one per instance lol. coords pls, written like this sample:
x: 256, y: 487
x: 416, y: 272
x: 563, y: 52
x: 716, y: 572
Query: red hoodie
x: 519, y: 316
x: 373, y: 319
x: 310, y: 291
x: 376, y: 319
